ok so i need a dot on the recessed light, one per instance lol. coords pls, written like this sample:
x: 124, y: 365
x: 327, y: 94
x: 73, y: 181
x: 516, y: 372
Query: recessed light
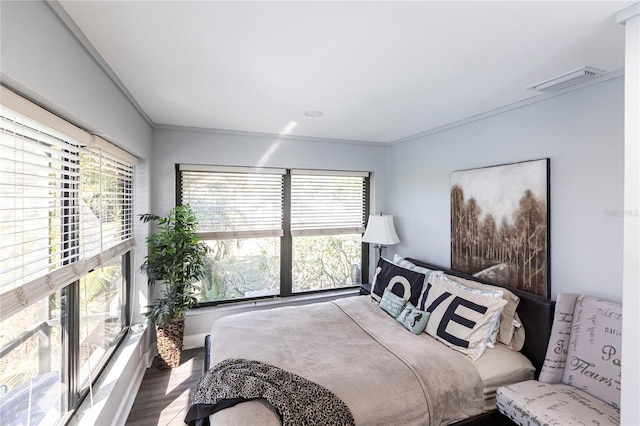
x: 313, y: 114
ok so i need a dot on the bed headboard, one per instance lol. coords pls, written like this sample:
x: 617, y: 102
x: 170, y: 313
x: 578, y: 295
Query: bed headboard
x: 535, y: 312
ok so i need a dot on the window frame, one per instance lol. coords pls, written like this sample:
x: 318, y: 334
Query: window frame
x: 286, y: 240
x: 65, y: 280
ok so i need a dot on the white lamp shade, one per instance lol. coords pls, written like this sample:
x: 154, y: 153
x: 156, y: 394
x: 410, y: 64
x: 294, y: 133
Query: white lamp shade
x: 380, y: 230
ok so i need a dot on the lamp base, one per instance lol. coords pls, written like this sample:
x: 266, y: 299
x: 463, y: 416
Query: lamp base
x: 379, y: 247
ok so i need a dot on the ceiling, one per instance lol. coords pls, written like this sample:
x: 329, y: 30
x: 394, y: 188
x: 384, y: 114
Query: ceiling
x: 378, y: 71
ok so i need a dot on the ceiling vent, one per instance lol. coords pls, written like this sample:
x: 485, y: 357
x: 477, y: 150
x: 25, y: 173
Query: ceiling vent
x: 579, y: 75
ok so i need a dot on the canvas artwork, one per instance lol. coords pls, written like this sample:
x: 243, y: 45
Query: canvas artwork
x: 500, y: 224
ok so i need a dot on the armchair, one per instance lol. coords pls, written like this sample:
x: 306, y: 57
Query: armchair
x: 579, y: 383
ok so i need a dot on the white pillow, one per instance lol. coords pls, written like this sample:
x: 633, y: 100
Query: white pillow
x: 492, y: 331
x: 459, y: 319
x: 401, y: 261
x: 508, y: 313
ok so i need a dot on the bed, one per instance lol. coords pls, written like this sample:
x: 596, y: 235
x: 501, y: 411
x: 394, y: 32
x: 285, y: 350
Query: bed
x: 383, y: 373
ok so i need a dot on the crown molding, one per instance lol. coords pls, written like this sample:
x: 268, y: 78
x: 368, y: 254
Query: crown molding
x: 628, y: 13
x: 170, y: 127
x: 511, y: 107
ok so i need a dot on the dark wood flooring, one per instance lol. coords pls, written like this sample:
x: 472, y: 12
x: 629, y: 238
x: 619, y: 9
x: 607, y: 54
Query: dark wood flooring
x: 163, y: 398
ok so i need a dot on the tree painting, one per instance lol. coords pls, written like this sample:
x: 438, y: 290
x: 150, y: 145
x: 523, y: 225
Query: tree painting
x: 499, y: 225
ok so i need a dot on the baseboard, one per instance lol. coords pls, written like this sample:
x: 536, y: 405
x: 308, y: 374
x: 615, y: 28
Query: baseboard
x: 194, y: 341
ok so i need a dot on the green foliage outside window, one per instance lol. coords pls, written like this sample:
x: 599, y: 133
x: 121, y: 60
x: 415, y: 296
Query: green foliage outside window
x: 237, y: 269
x: 324, y: 261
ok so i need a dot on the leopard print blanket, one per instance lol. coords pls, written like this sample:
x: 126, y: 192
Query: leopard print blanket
x: 297, y: 400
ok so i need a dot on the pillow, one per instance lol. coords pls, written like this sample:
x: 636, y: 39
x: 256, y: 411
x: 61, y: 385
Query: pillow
x: 492, y: 331
x: 459, y: 319
x: 556, y: 357
x: 492, y: 337
x: 594, y: 349
x: 401, y: 261
x: 505, y: 334
x: 413, y: 319
x: 391, y: 303
x: 467, y: 285
x: 517, y: 342
x: 402, y: 282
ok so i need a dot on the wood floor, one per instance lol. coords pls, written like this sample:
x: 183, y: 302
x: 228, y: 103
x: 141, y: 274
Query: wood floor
x: 163, y: 398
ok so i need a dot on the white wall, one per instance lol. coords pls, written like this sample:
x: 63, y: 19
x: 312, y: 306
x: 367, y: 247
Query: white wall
x: 630, y: 17
x: 581, y: 132
x: 172, y: 146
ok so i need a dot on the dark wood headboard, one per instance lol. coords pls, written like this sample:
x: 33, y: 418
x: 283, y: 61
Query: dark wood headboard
x: 535, y: 312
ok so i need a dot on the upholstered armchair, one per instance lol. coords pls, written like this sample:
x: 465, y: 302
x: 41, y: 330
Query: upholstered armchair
x: 579, y: 383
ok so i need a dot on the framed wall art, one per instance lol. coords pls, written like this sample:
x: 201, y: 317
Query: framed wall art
x: 500, y: 225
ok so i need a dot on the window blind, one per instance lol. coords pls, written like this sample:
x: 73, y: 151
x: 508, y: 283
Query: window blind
x: 327, y: 203
x: 234, y: 202
x: 106, y: 204
x: 48, y: 238
x: 38, y: 178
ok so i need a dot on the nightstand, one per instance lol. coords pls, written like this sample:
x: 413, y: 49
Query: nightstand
x: 365, y: 289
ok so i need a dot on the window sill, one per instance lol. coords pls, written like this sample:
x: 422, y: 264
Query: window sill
x: 116, y: 389
x: 277, y: 300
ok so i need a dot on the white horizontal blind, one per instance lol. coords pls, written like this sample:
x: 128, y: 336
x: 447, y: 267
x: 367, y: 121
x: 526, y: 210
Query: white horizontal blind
x: 106, y: 205
x: 39, y: 175
x: 327, y: 203
x: 46, y: 236
x: 234, y: 203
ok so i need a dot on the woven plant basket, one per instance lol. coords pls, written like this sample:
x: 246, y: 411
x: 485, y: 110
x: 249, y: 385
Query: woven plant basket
x: 169, y: 340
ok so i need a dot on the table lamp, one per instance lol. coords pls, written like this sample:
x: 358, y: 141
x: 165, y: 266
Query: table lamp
x: 381, y: 232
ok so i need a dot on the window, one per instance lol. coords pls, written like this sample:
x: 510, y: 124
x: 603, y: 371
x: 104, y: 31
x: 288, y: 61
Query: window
x: 327, y: 222
x: 240, y: 217
x: 276, y: 231
x: 65, y: 235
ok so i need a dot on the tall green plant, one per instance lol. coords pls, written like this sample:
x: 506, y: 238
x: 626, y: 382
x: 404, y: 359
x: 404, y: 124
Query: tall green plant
x: 177, y: 258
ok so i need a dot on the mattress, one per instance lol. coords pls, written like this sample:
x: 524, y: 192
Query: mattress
x: 498, y: 367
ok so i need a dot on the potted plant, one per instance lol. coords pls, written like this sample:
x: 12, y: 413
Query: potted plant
x: 176, y: 257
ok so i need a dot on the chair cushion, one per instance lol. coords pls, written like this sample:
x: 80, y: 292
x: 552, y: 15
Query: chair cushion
x: 594, y: 349
x: 532, y: 402
x: 554, y: 362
